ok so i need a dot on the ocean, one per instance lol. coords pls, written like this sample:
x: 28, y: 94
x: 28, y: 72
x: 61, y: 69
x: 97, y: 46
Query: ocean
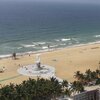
x: 37, y: 26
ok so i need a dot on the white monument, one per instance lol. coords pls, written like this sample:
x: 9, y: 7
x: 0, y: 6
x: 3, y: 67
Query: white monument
x: 37, y: 69
x: 38, y: 61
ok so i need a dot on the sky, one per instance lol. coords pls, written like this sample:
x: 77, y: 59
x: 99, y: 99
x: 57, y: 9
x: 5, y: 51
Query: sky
x: 70, y: 1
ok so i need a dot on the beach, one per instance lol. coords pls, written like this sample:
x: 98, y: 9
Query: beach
x: 66, y: 62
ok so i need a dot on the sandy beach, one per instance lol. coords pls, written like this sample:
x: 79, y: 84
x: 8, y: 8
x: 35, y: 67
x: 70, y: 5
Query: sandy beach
x: 66, y: 62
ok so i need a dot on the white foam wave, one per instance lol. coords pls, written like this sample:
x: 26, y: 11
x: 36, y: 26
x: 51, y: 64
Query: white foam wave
x: 53, y: 46
x: 44, y: 47
x: 63, y: 44
x: 89, y: 43
x: 19, y: 47
x: 35, y: 43
x: 64, y: 39
x: 27, y: 46
x: 57, y: 40
x: 5, y: 56
x: 39, y: 43
x: 97, y: 42
x: 75, y: 39
x: 97, y: 36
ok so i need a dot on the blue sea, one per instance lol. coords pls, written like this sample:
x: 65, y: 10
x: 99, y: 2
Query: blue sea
x: 37, y: 26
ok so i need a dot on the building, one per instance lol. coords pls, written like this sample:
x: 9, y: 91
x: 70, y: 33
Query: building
x: 88, y: 95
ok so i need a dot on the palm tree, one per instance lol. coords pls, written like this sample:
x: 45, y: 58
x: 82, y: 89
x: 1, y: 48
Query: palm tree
x: 98, y: 72
x: 77, y: 74
x: 65, y: 83
x: 67, y: 92
x: 7, y: 92
x: 88, y: 75
x: 94, y: 75
x: 88, y: 72
x: 77, y: 86
x: 98, y: 81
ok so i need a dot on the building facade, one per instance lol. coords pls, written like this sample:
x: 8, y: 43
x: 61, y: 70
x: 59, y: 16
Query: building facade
x: 88, y: 95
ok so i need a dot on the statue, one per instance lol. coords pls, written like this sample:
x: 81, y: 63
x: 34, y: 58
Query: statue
x: 37, y: 69
x: 38, y: 62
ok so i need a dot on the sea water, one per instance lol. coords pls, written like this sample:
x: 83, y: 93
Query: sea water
x: 34, y: 26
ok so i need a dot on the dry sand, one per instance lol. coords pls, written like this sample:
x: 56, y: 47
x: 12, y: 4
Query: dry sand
x: 66, y: 62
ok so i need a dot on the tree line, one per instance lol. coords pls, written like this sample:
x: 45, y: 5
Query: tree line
x: 89, y: 77
x: 48, y: 89
x: 40, y: 89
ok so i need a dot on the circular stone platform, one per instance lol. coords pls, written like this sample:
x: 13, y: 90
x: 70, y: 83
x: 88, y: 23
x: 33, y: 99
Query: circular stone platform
x: 45, y: 71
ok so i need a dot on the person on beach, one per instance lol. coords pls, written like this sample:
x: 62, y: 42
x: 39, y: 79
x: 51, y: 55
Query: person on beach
x: 48, y: 46
x: 14, y: 55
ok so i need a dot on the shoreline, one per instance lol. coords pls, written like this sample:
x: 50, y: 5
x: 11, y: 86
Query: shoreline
x: 47, y: 50
x: 66, y: 62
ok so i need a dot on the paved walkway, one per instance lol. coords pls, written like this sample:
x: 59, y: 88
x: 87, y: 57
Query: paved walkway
x: 10, y: 78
